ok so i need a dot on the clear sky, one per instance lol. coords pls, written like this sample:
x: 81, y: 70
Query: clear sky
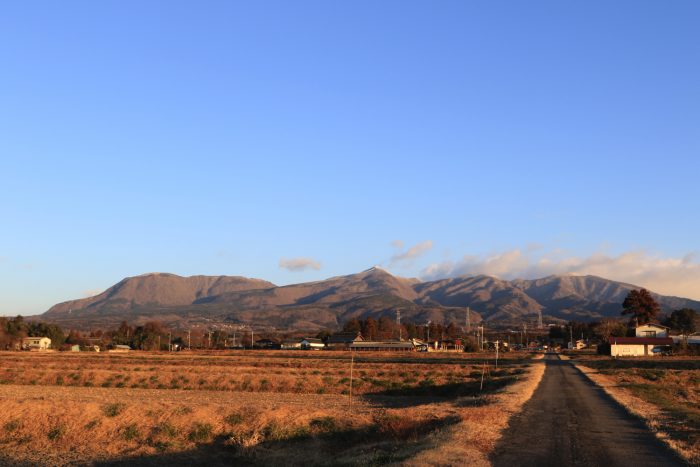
x: 294, y: 141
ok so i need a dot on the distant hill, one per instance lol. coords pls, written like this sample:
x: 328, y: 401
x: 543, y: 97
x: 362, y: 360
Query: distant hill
x: 223, y: 300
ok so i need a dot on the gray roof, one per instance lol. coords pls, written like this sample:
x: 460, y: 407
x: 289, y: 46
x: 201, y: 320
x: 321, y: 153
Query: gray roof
x: 344, y: 338
x: 382, y: 345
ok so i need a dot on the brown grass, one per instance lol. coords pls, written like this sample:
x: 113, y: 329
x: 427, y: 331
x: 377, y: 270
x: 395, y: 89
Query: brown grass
x: 413, y: 408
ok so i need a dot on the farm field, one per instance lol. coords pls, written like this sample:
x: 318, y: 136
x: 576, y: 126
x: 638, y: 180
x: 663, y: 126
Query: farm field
x: 256, y: 407
x: 665, y: 391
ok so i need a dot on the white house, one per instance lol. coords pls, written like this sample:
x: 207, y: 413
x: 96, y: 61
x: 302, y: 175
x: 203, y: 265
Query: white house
x: 291, y: 344
x: 650, y: 339
x: 312, y: 343
x: 36, y: 343
x: 651, y: 330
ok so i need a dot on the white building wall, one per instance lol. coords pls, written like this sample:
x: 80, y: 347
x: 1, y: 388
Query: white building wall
x: 640, y: 331
x: 630, y: 350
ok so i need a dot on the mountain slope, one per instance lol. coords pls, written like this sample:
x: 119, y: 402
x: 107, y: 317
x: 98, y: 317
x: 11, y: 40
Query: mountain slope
x: 493, y: 298
x: 161, y: 289
x: 207, y: 300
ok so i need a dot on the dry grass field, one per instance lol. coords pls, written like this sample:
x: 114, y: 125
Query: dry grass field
x: 664, y: 391
x: 256, y: 408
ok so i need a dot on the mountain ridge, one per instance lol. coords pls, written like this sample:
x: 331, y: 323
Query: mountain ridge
x: 236, y: 300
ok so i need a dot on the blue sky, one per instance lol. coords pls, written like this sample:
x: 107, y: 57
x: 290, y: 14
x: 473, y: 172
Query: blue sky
x: 295, y: 141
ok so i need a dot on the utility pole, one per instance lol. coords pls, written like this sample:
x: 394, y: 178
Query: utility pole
x: 469, y: 323
x: 398, y: 321
x: 210, y: 333
x: 234, y: 338
x: 352, y: 361
x: 189, y: 339
x: 497, y: 343
x: 571, y: 337
x: 170, y: 341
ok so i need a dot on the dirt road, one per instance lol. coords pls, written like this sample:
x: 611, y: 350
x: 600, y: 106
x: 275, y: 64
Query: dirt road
x: 571, y: 422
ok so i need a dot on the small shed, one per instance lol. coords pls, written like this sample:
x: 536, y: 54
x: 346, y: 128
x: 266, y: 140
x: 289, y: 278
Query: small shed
x: 75, y: 348
x: 36, y: 343
x: 120, y: 349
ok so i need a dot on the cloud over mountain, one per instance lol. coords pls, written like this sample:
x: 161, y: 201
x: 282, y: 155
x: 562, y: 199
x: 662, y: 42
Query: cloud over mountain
x: 666, y: 275
x: 299, y: 264
x: 412, y: 253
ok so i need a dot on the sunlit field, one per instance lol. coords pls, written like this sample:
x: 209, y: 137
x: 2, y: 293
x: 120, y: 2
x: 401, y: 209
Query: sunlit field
x: 255, y: 407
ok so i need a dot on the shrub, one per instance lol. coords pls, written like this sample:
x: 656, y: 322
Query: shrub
x: 234, y: 418
x: 11, y: 426
x: 112, y: 410
x: 56, y: 432
x: 184, y: 410
x: 92, y: 424
x: 130, y: 432
x: 200, y: 432
x: 323, y: 424
x: 167, y: 430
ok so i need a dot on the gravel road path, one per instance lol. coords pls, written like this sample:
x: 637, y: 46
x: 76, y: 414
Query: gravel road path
x: 571, y: 422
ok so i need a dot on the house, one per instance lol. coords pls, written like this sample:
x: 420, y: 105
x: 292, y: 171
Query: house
x: 36, y: 343
x: 651, y: 330
x: 451, y: 345
x: 578, y: 344
x: 638, y: 346
x: 383, y: 346
x: 343, y: 340
x: 420, y: 346
x: 120, y: 349
x: 292, y: 344
x: 691, y: 339
x: 267, y: 344
x: 312, y: 343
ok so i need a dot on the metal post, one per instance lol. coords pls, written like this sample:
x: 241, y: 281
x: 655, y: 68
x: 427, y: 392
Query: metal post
x: 497, y: 342
x: 352, y: 362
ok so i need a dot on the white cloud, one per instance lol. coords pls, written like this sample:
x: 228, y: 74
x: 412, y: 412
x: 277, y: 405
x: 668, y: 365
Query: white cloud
x: 398, y: 244
x: 299, y: 264
x: 664, y: 275
x: 412, y: 253
x: 91, y: 292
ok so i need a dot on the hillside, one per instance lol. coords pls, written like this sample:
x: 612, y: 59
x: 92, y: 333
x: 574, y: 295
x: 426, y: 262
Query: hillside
x: 223, y: 300
x: 159, y: 289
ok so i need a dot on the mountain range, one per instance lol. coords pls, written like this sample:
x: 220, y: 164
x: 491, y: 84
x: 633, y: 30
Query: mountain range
x: 210, y: 301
